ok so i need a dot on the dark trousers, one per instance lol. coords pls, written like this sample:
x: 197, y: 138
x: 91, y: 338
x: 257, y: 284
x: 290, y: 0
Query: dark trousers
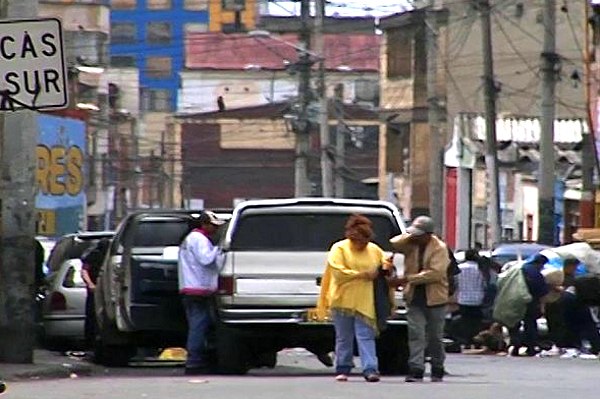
x: 579, y: 323
x: 557, y: 329
x: 469, y: 323
x: 529, y: 338
x: 89, y: 326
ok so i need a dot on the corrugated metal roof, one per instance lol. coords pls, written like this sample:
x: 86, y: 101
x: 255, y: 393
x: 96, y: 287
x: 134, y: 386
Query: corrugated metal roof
x: 221, y: 51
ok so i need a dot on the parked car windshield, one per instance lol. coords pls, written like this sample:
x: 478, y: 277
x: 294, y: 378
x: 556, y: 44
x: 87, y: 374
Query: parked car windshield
x: 302, y: 232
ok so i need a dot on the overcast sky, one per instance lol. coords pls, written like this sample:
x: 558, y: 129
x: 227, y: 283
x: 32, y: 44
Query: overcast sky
x: 375, y: 8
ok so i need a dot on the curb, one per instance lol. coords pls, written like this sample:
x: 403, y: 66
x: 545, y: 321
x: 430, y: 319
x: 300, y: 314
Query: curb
x: 45, y: 371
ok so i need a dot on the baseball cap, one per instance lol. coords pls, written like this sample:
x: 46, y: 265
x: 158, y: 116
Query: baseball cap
x: 208, y: 217
x: 420, y: 225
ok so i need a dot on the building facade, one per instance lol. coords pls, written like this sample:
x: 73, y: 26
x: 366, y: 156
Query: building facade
x: 263, y: 70
x: 517, y: 40
x: 86, y: 28
x: 248, y: 153
x: 150, y: 35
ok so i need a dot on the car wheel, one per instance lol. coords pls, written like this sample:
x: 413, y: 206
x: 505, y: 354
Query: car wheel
x: 232, y: 352
x: 109, y: 349
x: 392, y: 351
x: 266, y: 359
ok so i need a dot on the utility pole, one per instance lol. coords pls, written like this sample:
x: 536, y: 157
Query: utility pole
x: 433, y: 117
x: 546, y: 173
x: 326, y: 162
x: 340, y: 141
x: 161, y: 177
x: 302, y: 126
x: 18, y: 139
x: 489, y: 85
x: 588, y: 157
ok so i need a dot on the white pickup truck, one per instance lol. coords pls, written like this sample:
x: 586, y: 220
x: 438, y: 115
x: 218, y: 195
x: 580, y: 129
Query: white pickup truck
x: 275, y: 254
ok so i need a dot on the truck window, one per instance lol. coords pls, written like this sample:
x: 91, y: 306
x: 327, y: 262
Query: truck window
x: 160, y: 233
x: 302, y: 232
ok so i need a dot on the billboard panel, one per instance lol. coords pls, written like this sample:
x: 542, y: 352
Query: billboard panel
x: 60, y: 177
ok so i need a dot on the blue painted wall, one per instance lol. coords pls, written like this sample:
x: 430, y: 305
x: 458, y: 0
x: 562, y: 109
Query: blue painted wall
x: 177, y: 16
x: 60, y: 175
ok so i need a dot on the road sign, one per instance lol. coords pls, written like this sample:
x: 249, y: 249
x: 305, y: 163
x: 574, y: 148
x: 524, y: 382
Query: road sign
x: 32, y: 65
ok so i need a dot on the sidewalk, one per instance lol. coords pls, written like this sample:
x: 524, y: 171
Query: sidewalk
x: 46, y: 365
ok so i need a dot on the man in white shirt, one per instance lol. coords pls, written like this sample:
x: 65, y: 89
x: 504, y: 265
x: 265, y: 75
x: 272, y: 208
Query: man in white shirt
x: 199, y: 264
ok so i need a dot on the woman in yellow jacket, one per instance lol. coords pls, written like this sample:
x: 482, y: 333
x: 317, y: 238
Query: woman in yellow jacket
x: 347, y: 294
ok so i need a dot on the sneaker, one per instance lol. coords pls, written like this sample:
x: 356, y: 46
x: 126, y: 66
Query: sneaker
x: 570, y: 353
x: 514, y: 351
x: 372, y: 377
x: 437, y: 374
x: 413, y: 378
x: 552, y: 352
x: 341, y: 378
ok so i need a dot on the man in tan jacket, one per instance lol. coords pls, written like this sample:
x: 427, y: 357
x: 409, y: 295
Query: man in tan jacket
x: 425, y: 285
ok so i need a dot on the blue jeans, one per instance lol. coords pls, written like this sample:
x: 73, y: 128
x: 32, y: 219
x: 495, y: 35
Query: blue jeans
x: 198, y: 311
x: 346, y: 329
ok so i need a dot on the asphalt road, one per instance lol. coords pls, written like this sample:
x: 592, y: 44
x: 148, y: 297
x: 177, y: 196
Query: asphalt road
x: 299, y: 376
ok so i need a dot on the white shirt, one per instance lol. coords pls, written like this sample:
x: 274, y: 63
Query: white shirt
x: 199, y: 263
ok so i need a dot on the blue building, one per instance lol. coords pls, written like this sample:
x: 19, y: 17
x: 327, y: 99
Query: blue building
x: 150, y: 35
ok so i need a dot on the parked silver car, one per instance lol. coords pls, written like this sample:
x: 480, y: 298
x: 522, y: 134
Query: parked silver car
x: 63, y: 308
x: 64, y: 296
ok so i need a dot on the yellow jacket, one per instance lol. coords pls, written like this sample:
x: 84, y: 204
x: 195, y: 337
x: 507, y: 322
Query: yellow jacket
x: 342, y: 289
x: 434, y: 273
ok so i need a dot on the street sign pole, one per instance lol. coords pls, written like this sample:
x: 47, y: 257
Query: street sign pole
x: 26, y: 46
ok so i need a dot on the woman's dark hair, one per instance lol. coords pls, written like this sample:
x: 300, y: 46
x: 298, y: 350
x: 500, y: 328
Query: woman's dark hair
x: 359, y: 227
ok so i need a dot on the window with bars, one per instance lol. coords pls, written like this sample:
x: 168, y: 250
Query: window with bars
x: 122, y: 32
x: 158, y: 33
x: 156, y: 100
x: 158, y: 67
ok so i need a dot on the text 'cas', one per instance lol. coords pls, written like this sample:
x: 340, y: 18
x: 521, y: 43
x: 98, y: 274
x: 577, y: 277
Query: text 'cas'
x: 32, y: 65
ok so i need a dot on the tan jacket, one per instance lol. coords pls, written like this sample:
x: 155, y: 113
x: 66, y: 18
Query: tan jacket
x: 434, y: 273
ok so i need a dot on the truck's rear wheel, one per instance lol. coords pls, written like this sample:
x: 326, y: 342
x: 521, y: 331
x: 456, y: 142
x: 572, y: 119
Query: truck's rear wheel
x: 232, y: 352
